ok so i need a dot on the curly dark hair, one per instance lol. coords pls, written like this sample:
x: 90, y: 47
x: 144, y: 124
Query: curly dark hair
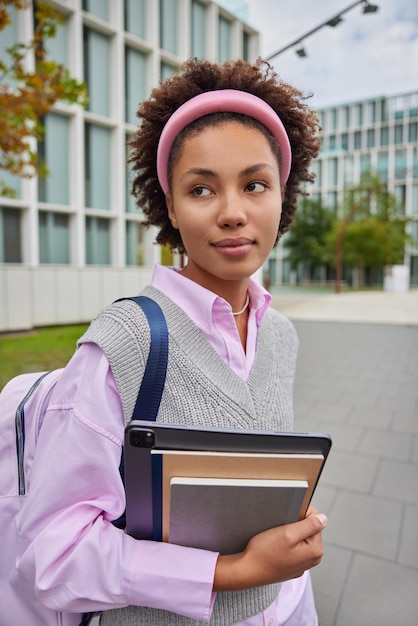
x: 196, y: 76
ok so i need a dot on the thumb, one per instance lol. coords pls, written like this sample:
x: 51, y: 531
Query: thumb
x: 312, y: 525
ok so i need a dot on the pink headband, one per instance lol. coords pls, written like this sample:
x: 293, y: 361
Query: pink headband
x: 220, y: 101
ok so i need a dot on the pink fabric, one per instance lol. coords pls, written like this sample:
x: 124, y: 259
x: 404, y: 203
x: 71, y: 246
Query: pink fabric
x: 70, y: 508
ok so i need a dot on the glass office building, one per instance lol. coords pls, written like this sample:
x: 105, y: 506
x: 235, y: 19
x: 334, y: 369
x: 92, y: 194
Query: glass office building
x: 378, y: 134
x: 77, y: 234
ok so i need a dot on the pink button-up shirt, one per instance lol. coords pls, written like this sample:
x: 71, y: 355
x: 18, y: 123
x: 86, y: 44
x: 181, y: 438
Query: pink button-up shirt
x: 60, y: 534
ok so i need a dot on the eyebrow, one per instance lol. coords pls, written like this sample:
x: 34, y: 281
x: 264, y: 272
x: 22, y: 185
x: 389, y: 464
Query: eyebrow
x: 251, y: 169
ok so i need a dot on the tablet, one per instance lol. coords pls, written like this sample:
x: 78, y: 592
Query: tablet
x: 162, y: 459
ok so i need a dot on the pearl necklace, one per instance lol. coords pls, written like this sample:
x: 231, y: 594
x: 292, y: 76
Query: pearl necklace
x: 243, y: 308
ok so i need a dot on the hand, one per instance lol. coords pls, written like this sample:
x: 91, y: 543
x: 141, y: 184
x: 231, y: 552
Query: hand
x: 274, y: 555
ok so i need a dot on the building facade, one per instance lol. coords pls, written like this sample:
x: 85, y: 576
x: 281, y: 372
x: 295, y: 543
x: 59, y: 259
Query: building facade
x: 73, y: 241
x: 378, y: 134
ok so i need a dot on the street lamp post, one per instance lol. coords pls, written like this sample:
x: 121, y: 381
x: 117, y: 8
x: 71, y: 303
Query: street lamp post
x: 333, y: 21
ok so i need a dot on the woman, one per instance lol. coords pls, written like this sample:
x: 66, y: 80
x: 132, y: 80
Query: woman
x: 220, y: 156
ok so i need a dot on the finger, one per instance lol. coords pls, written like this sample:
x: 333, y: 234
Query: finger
x: 310, y: 526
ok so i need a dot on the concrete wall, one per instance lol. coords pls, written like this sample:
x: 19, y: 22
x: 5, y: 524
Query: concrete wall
x: 53, y: 295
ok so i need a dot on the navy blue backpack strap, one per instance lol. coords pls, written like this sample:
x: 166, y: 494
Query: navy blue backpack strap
x: 153, y: 381
x: 152, y: 386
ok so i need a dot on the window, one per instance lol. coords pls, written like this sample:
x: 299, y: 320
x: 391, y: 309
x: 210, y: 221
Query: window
x: 414, y: 204
x: 398, y: 133
x: 135, y: 82
x: 400, y: 164
x: 134, y: 244
x: 344, y: 141
x: 130, y: 204
x: 371, y: 112
x: 332, y: 200
x: 414, y: 270
x: 135, y: 17
x: 166, y: 70
x: 365, y: 163
x: 383, y: 165
x: 358, y: 115
x: 357, y: 140
x: 10, y: 236
x: 57, y: 47
x: 54, y: 238
x: 54, y: 151
x: 348, y: 170
x: 97, y: 241
x: 99, y: 8
x: 414, y: 233
x: 370, y: 138
x: 332, y: 172
x: 224, y: 43
x: 333, y: 119
x: 246, y: 46
x: 96, y: 71
x: 415, y: 163
x: 346, y: 117
x: 97, y: 174
x: 400, y: 195
x: 168, y: 25
x: 331, y: 142
x: 198, y: 38
x: 413, y: 131
x: 384, y: 136
x: 317, y: 170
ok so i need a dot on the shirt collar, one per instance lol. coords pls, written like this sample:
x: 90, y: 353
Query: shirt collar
x: 198, y: 302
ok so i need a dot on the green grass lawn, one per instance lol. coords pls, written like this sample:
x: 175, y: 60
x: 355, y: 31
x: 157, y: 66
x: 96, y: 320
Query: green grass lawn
x: 39, y: 350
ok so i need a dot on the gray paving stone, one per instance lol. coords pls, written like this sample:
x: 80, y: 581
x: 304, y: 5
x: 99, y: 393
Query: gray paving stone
x: 351, y: 471
x: 398, y: 481
x: 378, y: 593
x: 386, y: 444
x: 324, y: 497
x: 415, y: 449
x: 362, y: 378
x: 344, y: 437
x: 406, y: 420
x: 328, y: 582
x: 375, y: 417
x: 366, y: 524
x: 408, y: 554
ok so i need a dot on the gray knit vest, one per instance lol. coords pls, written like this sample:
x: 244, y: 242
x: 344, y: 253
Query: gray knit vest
x: 201, y: 389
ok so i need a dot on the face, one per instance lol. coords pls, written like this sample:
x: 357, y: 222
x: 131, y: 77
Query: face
x: 226, y: 201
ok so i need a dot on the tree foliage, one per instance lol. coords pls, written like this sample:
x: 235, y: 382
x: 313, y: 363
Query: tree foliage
x: 372, y: 232
x: 30, y: 85
x: 306, y: 240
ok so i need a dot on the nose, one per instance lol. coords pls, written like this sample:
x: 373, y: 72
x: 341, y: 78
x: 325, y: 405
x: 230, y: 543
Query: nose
x: 231, y: 211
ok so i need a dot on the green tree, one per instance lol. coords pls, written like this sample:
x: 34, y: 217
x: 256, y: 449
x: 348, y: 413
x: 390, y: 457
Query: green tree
x: 372, y: 233
x: 306, y: 241
x: 30, y: 85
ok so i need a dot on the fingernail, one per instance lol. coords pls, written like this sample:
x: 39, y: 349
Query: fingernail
x: 322, y: 518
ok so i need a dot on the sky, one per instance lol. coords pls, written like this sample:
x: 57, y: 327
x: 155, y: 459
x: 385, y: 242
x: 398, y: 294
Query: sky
x: 365, y: 56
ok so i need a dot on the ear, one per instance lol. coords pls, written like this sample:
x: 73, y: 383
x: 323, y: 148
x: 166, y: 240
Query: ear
x: 170, y: 210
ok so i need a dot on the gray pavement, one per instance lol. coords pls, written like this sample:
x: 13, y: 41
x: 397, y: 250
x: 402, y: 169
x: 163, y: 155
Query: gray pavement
x: 357, y: 379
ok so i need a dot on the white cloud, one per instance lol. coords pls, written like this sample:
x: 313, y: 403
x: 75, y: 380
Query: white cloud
x: 366, y: 55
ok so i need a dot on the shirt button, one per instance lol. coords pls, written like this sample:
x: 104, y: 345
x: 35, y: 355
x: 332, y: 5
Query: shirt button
x: 270, y: 622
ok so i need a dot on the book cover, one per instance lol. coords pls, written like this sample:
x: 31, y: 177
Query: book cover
x: 224, y: 465
x: 222, y: 514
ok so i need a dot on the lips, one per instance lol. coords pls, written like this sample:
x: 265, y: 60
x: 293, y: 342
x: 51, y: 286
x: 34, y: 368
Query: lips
x: 234, y: 246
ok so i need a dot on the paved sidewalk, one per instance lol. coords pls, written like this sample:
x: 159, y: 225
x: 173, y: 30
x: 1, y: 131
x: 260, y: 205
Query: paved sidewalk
x: 358, y: 381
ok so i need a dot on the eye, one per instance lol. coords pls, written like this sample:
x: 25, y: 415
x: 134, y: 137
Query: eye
x: 200, y: 192
x: 257, y: 187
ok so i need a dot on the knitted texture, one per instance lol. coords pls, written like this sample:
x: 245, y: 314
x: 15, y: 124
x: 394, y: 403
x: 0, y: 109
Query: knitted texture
x: 200, y: 390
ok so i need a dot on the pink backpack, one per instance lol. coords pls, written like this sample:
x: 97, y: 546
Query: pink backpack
x: 25, y: 397
x: 23, y: 402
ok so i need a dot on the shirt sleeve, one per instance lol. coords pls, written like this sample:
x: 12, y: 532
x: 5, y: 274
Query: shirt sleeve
x: 68, y: 548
